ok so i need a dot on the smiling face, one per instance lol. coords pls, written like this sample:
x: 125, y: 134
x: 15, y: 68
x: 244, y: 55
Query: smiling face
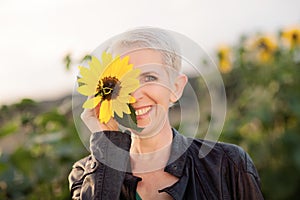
x: 157, y: 89
x: 153, y: 96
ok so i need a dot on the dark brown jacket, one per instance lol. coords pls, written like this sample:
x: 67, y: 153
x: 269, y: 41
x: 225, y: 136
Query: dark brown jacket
x: 206, y: 170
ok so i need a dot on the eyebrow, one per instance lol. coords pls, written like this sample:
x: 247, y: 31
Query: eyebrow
x: 148, y: 73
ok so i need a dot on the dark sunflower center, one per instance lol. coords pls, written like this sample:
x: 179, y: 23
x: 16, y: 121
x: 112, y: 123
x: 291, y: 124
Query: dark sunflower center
x: 108, y: 88
x: 263, y: 45
x: 221, y: 55
x: 295, y: 37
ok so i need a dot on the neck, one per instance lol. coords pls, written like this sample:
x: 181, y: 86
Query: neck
x: 151, y: 153
x: 152, y: 143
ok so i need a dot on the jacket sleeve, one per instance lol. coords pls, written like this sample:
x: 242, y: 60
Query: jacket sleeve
x: 244, y: 179
x: 77, y: 176
x: 248, y: 181
x: 101, y: 175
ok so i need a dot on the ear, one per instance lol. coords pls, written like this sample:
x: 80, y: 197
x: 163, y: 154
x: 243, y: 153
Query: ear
x: 179, y: 85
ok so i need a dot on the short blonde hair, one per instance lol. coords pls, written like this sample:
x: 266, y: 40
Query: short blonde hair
x: 152, y: 38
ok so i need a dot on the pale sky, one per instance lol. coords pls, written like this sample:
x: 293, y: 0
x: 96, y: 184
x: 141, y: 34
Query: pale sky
x: 36, y: 34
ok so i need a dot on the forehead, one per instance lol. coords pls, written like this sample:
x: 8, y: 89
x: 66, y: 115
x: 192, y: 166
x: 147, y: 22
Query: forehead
x: 144, y: 57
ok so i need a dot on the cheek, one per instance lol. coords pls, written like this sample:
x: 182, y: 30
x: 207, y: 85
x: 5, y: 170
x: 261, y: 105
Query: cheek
x: 159, y: 94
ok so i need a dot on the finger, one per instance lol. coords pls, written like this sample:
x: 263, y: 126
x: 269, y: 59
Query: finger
x: 97, y: 110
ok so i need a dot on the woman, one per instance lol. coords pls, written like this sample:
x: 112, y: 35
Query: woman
x: 154, y: 161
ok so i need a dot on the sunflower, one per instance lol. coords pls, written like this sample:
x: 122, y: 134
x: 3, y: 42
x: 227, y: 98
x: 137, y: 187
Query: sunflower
x: 109, y: 85
x: 225, y: 64
x: 292, y: 36
x: 265, y: 47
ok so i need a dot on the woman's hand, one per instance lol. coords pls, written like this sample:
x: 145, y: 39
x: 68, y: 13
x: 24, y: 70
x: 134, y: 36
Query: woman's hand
x: 91, y: 120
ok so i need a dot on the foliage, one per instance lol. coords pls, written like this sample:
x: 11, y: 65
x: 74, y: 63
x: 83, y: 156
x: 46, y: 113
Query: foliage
x: 263, y: 112
x: 42, y: 145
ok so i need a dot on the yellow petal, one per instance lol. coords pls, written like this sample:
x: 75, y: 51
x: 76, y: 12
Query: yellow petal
x: 129, y: 85
x: 131, y: 74
x: 92, y: 103
x: 124, y: 66
x: 116, y: 66
x: 106, y: 59
x: 87, y: 74
x: 132, y: 99
x: 124, y: 94
x: 125, y: 108
x: 81, y: 80
x: 107, y: 71
x: 105, y: 111
x: 121, y: 108
x: 89, y: 82
x: 95, y: 66
x: 117, y: 108
x: 110, y: 68
x: 124, y: 98
x: 86, y: 90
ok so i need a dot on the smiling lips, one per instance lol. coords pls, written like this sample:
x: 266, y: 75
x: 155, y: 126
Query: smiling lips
x: 142, y: 111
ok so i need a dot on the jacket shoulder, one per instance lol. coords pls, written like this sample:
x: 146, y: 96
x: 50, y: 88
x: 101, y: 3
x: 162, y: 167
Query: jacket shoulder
x: 234, y: 154
x: 230, y: 166
x: 238, y: 157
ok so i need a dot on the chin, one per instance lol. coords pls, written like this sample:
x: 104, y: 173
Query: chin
x: 142, y: 124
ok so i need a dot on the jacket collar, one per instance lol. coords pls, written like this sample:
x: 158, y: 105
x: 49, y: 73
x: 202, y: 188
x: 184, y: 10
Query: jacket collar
x: 101, y: 141
x: 177, y: 160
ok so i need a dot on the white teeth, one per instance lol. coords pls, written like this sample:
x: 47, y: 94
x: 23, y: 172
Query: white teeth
x: 142, y: 111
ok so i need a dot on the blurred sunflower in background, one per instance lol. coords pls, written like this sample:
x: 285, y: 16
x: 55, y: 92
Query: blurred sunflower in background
x: 264, y: 48
x: 291, y: 36
x: 224, y: 58
x: 108, y: 85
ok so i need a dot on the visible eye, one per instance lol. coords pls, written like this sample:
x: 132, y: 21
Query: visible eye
x: 149, y: 78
